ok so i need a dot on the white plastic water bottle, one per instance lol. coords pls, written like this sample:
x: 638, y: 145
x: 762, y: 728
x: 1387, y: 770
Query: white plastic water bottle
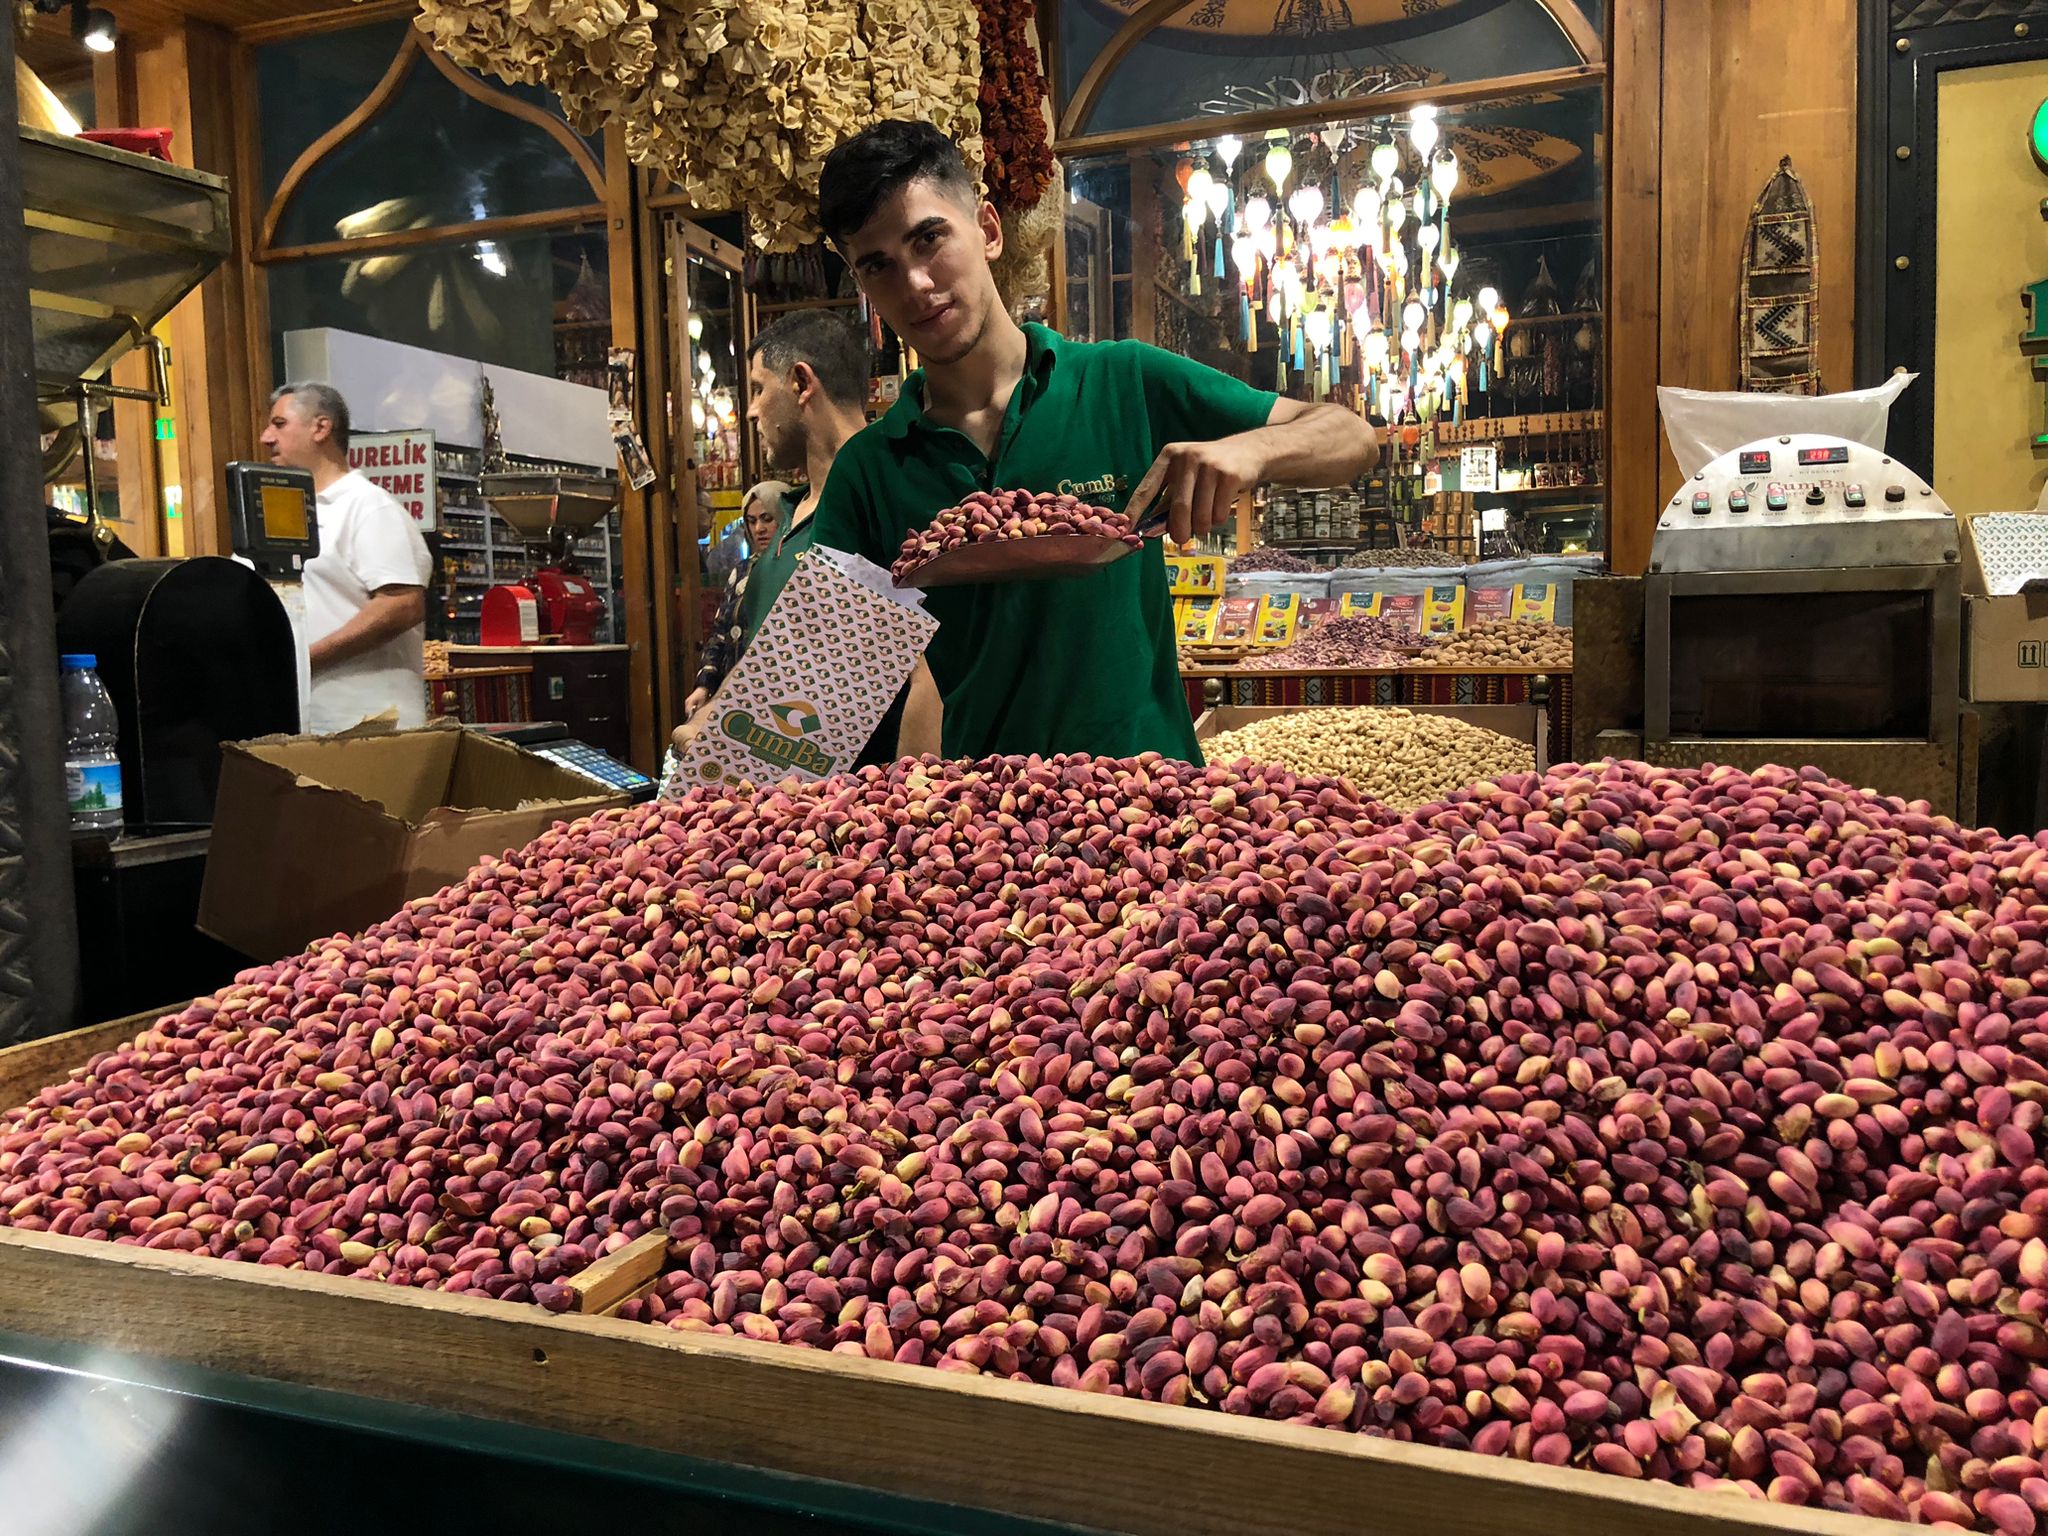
x: 92, y: 761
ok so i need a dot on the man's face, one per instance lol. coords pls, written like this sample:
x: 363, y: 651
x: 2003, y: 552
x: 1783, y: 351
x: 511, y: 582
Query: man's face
x: 777, y: 415
x: 294, y: 435
x: 922, y: 260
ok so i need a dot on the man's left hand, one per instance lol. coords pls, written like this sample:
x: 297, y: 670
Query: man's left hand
x: 1200, y: 483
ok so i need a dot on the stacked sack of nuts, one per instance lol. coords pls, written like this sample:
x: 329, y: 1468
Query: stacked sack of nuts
x: 1357, y: 640
x: 1503, y: 643
x: 1398, y: 559
x: 1265, y: 558
x: 1685, y: 1125
x: 1399, y: 759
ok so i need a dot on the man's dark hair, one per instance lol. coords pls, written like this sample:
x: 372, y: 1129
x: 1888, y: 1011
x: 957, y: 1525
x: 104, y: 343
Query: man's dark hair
x: 834, y: 347
x: 877, y: 163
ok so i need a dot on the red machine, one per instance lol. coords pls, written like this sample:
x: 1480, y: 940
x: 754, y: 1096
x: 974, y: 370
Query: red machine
x: 552, y: 605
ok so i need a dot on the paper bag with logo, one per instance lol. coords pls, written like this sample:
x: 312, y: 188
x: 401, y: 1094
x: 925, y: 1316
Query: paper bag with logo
x: 830, y: 657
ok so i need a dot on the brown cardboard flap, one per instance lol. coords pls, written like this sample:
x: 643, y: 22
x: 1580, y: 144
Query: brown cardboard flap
x: 495, y: 775
x: 315, y: 836
x: 404, y: 775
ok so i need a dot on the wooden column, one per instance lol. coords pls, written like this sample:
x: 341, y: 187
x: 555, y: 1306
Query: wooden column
x: 1145, y: 235
x: 1634, y: 248
x: 648, y: 550
x: 133, y: 478
x: 185, y: 80
x: 1707, y: 95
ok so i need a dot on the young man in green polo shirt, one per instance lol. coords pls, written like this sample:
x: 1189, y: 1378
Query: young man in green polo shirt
x: 1081, y: 665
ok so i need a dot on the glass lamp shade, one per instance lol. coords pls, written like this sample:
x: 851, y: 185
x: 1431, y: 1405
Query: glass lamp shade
x: 1219, y: 198
x: 1279, y: 166
x: 1386, y: 159
x: 1444, y: 174
x: 1229, y: 147
x: 1306, y: 203
x: 1258, y: 213
x: 1199, y: 182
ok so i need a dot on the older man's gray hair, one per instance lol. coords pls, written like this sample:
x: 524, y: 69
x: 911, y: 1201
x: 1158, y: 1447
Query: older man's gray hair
x: 316, y: 400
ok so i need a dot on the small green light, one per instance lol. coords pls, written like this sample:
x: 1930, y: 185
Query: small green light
x: 166, y: 430
x: 2039, y: 136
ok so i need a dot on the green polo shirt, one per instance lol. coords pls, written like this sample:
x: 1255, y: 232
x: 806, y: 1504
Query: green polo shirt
x: 1087, y: 664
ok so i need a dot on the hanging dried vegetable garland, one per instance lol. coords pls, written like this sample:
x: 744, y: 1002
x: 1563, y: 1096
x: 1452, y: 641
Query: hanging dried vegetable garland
x: 736, y: 101
x: 1013, y: 106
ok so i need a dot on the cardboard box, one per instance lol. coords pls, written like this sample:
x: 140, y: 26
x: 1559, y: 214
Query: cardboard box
x: 834, y: 651
x: 2005, y: 609
x: 319, y: 835
x: 1196, y: 575
x: 2007, y: 650
x: 1279, y: 613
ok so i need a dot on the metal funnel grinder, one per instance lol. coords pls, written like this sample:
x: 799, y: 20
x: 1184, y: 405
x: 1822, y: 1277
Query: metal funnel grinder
x: 551, y: 605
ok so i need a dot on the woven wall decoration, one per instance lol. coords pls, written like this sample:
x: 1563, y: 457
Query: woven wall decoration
x: 1781, y: 291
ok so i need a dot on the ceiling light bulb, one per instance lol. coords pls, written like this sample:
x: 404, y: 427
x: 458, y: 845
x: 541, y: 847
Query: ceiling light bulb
x: 1424, y: 132
x: 1279, y: 166
x: 1444, y: 174
x: 93, y: 26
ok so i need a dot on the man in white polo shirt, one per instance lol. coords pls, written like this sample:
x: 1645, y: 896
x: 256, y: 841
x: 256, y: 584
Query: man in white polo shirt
x: 366, y: 593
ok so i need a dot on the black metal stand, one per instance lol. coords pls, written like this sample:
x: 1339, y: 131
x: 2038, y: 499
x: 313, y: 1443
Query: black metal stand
x: 38, y: 926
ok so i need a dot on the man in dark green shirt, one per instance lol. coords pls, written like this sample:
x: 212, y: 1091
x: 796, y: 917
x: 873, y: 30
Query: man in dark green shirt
x: 1081, y: 665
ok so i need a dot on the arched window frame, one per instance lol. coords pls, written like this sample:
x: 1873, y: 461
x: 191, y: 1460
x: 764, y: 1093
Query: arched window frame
x: 411, y: 52
x: 1070, y: 137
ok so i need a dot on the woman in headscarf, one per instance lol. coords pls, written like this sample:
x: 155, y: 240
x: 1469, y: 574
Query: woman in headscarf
x: 764, y: 513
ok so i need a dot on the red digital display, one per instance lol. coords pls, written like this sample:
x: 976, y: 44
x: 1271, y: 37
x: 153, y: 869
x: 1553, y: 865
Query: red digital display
x: 1837, y: 454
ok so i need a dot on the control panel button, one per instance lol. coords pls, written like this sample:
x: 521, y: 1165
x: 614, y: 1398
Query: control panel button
x: 1816, y: 497
x: 1853, y: 496
x: 1776, y: 500
x: 1702, y: 503
x: 1738, y: 501
x: 1895, y: 494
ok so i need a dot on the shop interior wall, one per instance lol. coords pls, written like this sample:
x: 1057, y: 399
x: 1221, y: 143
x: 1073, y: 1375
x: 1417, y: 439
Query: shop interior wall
x: 1708, y: 95
x: 1989, y: 247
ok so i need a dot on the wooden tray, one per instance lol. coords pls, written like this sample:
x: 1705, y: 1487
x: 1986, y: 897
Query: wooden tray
x: 1043, y: 557
x: 1098, y: 1463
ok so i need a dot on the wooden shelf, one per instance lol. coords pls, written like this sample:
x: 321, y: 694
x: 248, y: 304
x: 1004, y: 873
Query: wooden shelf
x: 790, y: 306
x: 1572, y: 318
x: 1494, y: 429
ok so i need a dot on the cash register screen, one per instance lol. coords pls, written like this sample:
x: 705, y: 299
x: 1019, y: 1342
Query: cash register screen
x: 284, y: 514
